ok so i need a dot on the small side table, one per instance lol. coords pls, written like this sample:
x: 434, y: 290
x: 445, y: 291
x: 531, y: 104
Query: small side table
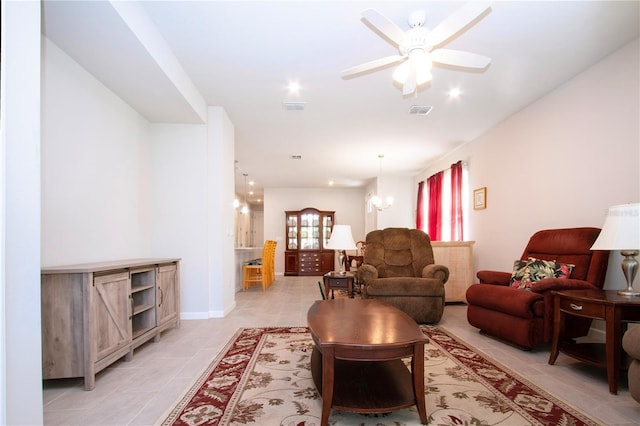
x: 608, y: 306
x: 336, y: 280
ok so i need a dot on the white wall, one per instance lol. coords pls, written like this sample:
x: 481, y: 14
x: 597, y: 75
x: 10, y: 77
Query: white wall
x: 193, y: 210
x: 347, y: 203
x: 96, y: 188
x: 400, y: 214
x: 179, y: 167
x: 560, y: 162
x: 111, y: 192
x: 20, y: 343
x: 220, y: 216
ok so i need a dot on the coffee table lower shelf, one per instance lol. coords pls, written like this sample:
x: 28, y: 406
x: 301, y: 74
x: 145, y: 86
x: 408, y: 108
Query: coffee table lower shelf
x: 367, y: 386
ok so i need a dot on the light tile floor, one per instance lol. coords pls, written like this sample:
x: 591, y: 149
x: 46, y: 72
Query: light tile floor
x: 140, y: 392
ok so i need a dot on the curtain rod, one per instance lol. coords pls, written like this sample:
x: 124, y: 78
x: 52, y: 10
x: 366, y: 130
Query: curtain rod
x: 464, y: 163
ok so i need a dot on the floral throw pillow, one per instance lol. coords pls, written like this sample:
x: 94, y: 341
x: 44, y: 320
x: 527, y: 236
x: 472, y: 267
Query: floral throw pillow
x: 526, y: 273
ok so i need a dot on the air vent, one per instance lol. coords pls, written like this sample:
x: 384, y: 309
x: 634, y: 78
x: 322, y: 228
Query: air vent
x: 293, y: 106
x: 420, y: 110
x: 296, y: 157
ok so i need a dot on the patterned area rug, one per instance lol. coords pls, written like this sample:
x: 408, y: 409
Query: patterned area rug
x: 263, y: 377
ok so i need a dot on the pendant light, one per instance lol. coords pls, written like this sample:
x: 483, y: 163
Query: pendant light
x: 236, y: 202
x: 377, y: 199
x: 245, y: 207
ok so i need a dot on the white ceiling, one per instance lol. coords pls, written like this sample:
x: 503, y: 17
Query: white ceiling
x: 241, y: 55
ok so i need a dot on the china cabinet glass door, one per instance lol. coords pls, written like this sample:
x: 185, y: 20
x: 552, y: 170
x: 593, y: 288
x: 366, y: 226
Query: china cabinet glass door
x: 309, y: 230
x: 327, y: 225
x: 292, y: 232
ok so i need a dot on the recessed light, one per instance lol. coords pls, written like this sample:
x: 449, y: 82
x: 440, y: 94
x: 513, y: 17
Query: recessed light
x: 293, y: 87
x: 330, y: 183
x: 455, y: 92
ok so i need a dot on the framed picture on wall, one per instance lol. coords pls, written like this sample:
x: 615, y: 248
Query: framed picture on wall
x: 480, y: 198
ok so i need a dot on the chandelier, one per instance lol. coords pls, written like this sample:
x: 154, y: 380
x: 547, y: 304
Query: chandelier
x: 377, y: 200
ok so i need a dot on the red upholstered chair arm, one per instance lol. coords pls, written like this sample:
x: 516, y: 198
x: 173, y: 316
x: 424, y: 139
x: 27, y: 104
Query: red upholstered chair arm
x: 436, y: 271
x: 494, y: 277
x: 549, y: 284
x: 503, y: 299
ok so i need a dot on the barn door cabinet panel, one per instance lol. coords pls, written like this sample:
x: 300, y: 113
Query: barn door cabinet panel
x: 167, y: 300
x: 96, y: 313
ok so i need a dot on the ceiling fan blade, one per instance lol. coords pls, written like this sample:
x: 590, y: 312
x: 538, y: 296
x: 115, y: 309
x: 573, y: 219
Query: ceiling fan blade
x: 373, y: 65
x: 457, y: 22
x: 410, y: 85
x: 459, y: 58
x: 383, y: 24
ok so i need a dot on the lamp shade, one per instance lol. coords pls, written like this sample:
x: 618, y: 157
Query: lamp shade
x: 341, y: 238
x: 621, y: 229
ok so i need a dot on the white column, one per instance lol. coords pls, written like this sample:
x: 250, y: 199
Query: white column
x: 21, y: 365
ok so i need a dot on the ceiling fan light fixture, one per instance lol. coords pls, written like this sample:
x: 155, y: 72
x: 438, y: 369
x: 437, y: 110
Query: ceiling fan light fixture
x: 420, y: 46
x: 401, y: 73
x: 421, y: 60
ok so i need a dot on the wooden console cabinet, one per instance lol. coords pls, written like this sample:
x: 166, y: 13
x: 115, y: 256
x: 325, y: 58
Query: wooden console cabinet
x: 96, y: 313
x: 458, y: 257
x: 307, y: 232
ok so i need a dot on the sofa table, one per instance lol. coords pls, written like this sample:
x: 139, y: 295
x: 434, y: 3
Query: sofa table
x: 356, y: 362
x: 608, y: 306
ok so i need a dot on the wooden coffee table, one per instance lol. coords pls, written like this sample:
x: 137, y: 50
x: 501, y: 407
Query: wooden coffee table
x: 356, y: 362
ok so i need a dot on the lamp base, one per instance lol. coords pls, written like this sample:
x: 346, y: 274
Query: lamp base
x: 629, y: 292
x: 341, y: 257
x: 629, y: 268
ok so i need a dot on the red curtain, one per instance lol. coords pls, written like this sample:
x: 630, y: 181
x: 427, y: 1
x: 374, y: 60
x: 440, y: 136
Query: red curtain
x: 456, y: 202
x: 435, y: 206
x: 420, y: 207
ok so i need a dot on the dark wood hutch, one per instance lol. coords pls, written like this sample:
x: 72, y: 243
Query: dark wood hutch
x: 307, y: 232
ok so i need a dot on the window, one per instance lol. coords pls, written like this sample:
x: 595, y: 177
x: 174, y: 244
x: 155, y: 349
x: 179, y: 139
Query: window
x: 444, y: 203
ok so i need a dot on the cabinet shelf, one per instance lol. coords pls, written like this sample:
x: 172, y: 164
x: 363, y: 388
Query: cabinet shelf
x: 138, y: 288
x: 137, y: 309
x: 140, y: 332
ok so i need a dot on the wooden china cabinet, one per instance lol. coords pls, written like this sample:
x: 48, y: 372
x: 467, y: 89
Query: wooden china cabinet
x: 307, y: 233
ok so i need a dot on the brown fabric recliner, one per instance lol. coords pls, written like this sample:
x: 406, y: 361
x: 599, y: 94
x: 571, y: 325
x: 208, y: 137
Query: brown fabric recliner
x: 631, y: 345
x: 399, y: 269
x: 523, y: 317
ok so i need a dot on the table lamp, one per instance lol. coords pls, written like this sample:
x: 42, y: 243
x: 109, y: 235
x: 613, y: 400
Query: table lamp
x: 621, y: 231
x: 341, y: 240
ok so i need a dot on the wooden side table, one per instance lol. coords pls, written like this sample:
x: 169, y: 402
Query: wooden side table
x: 336, y: 280
x: 608, y: 306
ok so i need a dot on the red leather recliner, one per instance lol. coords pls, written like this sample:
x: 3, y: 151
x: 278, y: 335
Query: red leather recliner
x: 525, y: 317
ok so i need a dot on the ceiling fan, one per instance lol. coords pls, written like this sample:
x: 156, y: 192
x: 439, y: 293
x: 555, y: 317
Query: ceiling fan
x: 419, y: 47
